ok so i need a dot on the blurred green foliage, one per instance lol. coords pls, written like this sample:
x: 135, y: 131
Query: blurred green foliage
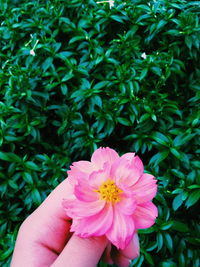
x: 77, y: 75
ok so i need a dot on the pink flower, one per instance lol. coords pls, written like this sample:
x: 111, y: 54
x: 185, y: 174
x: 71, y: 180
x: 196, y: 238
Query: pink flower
x: 110, y: 196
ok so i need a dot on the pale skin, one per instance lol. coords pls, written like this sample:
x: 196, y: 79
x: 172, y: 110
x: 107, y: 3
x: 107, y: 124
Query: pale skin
x: 44, y: 239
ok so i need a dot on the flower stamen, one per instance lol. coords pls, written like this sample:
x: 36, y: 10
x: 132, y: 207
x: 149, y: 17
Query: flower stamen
x: 109, y: 192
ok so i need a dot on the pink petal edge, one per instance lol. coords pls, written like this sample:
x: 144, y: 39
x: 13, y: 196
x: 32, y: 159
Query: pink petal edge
x: 96, y: 225
x: 144, y: 215
x: 79, y: 209
x: 122, y: 230
x: 102, y: 155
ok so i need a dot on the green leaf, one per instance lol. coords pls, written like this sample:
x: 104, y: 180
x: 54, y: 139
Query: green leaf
x: 159, y: 238
x: 143, y: 74
x: 27, y: 177
x: 195, y: 186
x: 6, y: 254
x: 182, y: 260
x: 138, y: 261
x: 67, y: 77
x: 64, y: 89
x: 151, y: 246
x: 12, y: 184
x: 97, y: 100
x: 47, y: 63
x: 148, y: 258
x: 173, y: 32
x: 157, y: 70
x: 154, y: 118
x: 157, y: 158
x: 188, y: 41
x: 12, y: 138
x: 100, y: 85
x: 77, y: 93
x: 76, y: 38
x: 178, y: 190
x: 195, y: 122
x: 184, y: 195
x: 193, y: 198
x: 36, y: 196
x: 169, y: 242
x: 178, y: 173
x: 4, y: 156
x: 146, y: 231
x: 182, y: 139
x: 144, y: 117
x: 168, y: 264
x: 180, y: 227
x: 118, y: 18
x: 31, y: 165
x: 193, y: 240
x: 160, y: 138
x: 9, y: 156
x: 166, y: 225
x: 123, y: 121
x: 175, y: 152
x: 177, y: 202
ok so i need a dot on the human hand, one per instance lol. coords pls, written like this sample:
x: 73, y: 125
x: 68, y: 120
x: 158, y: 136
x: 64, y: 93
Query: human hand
x: 44, y: 239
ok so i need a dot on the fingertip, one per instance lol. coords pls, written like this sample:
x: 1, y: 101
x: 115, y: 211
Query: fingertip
x: 133, y: 249
x: 82, y: 251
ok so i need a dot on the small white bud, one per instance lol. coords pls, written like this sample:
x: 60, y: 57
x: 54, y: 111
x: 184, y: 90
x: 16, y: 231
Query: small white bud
x: 144, y: 55
x: 111, y: 3
x: 32, y: 52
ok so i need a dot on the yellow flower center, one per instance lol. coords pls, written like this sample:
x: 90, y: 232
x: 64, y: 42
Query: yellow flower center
x: 109, y: 191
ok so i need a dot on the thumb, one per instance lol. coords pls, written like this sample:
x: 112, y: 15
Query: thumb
x: 81, y: 252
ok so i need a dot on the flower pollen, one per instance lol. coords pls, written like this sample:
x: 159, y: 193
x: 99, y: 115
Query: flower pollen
x: 109, y: 192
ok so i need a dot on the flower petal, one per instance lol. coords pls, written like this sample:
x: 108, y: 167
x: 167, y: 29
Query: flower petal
x: 78, y: 209
x: 122, y: 230
x: 136, y: 246
x: 84, y: 192
x: 126, y: 205
x: 125, y: 173
x: 128, y: 156
x: 102, y: 155
x: 145, y: 214
x: 80, y: 170
x: 145, y: 189
x: 84, y: 166
x: 98, y: 177
x: 138, y: 164
x: 96, y: 225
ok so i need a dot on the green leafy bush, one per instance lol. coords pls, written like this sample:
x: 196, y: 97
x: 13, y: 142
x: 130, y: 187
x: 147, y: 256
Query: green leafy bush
x: 77, y: 75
